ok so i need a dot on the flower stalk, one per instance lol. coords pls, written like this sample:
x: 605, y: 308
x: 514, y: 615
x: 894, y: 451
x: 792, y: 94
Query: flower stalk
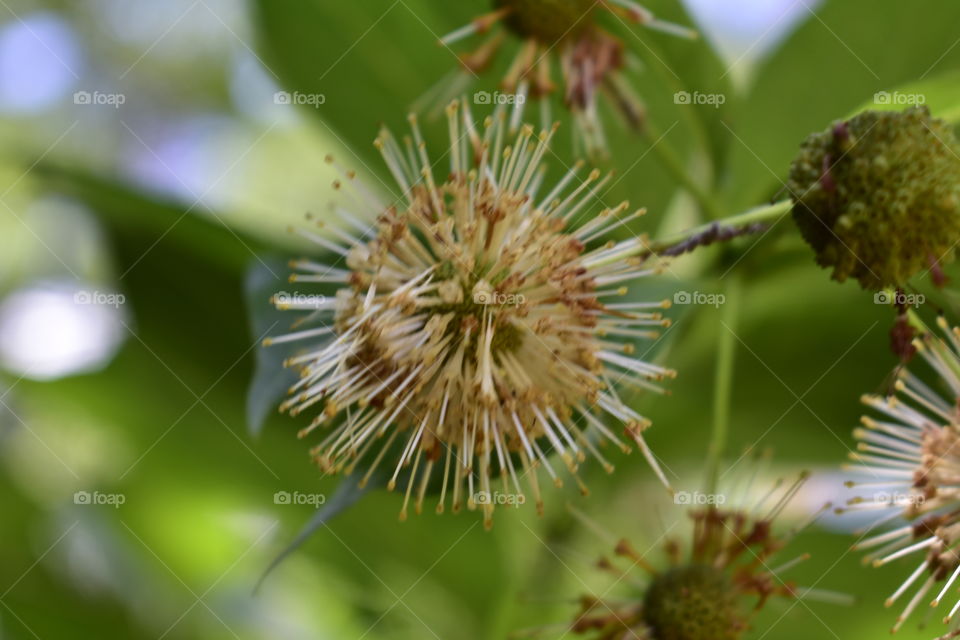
x: 719, y: 230
x: 723, y: 381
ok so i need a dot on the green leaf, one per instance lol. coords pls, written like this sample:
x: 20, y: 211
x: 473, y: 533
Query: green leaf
x: 145, y: 220
x: 348, y: 493
x: 691, y: 66
x: 271, y: 379
x: 832, y: 64
x: 370, y: 59
x: 940, y: 92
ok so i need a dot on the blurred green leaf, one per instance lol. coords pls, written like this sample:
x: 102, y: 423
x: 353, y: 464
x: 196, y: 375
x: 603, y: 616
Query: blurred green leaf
x: 348, y: 493
x: 832, y: 64
x: 370, y: 60
x: 940, y: 93
x: 146, y: 220
x: 691, y: 66
x: 271, y: 379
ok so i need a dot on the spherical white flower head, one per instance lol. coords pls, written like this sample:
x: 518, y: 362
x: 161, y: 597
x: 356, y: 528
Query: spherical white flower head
x: 911, y: 456
x: 473, y: 336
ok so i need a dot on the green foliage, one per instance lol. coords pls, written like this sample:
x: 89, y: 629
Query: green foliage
x: 200, y: 509
x: 830, y: 65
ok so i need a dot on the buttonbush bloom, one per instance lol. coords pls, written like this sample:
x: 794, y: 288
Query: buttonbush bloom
x: 910, y: 453
x: 477, y: 329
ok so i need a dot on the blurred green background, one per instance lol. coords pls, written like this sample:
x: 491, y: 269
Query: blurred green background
x: 148, y: 169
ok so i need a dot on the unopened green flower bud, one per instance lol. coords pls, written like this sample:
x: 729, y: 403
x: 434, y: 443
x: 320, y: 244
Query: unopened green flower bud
x: 878, y: 196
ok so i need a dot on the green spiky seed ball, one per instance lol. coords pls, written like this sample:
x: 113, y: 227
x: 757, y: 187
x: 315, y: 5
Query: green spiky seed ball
x: 878, y: 196
x: 692, y: 603
x: 548, y: 21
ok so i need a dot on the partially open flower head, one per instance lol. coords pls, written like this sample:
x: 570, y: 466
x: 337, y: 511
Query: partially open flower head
x: 709, y: 589
x: 878, y: 196
x: 565, y: 34
x: 477, y: 329
x: 909, y: 456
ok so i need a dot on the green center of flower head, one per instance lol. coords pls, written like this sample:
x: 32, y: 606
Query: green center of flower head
x: 547, y: 21
x: 878, y: 196
x: 471, y: 301
x: 694, y: 602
